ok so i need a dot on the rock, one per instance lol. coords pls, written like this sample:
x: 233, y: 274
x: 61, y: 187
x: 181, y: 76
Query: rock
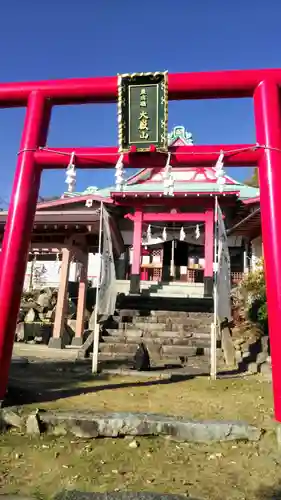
x: 71, y: 309
x: 20, y: 332
x: 261, y: 357
x: 228, y: 348
x: 134, y: 444
x: 92, y: 321
x: 71, y: 323
x: 252, y: 368
x: 141, y: 360
x: 30, y: 316
x: 44, y: 300
x: 237, y: 343
x: 11, y: 419
x: 265, y: 369
x: 90, y: 424
x: 238, y: 356
x: 265, y: 344
x: 33, y: 424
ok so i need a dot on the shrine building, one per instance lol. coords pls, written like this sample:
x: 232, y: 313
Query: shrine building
x: 163, y: 230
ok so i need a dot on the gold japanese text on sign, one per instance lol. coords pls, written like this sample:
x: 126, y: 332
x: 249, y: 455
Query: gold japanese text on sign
x: 143, y: 118
x: 143, y: 111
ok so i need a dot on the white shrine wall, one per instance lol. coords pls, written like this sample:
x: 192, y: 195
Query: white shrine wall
x: 257, y: 252
x: 46, y: 273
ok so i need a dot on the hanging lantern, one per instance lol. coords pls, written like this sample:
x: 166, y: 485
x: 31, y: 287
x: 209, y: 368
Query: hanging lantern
x: 182, y: 234
x: 197, y: 232
x: 164, y: 234
x: 119, y: 174
x: 70, y: 176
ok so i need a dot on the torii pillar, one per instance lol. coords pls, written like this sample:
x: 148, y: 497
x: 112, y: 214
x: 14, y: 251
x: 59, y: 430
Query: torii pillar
x: 268, y: 130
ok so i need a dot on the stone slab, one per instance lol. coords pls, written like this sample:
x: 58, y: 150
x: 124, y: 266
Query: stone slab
x: 99, y: 424
x: 79, y: 495
x: 20, y: 361
x: 122, y: 495
x: 56, y: 343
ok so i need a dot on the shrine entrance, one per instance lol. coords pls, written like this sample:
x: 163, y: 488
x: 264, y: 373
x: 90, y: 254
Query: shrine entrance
x: 147, y: 135
x: 175, y: 260
x: 182, y: 262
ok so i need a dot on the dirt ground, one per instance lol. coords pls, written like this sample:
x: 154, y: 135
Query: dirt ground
x: 44, y: 466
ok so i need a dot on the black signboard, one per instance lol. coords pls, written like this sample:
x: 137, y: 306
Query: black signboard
x: 143, y: 111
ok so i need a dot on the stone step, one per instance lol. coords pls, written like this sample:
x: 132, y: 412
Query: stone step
x: 162, y: 319
x: 176, y: 295
x: 158, y: 350
x: 135, y: 332
x: 132, y: 313
x: 146, y: 304
x: 190, y: 341
x: 154, y: 350
x: 151, y: 328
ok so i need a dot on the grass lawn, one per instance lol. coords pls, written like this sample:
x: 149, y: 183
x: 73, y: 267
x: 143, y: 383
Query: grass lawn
x: 44, y: 466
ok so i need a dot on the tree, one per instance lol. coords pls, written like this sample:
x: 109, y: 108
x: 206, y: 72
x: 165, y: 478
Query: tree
x: 254, y: 179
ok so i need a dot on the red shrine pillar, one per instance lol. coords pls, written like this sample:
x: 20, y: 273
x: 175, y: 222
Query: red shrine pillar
x: 19, y: 224
x: 268, y: 131
x: 137, y: 239
x: 209, y: 253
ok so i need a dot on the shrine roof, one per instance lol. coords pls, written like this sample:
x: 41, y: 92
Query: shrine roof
x: 242, y: 191
x: 186, y: 180
x: 249, y: 226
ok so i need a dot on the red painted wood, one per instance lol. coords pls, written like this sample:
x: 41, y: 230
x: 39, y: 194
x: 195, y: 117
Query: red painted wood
x: 219, y: 84
x: 268, y: 129
x: 137, y: 240
x: 175, y: 201
x: 205, y: 85
x: 176, y: 217
x: 106, y: 157
x: 209, y: 243
x: 17, y: 236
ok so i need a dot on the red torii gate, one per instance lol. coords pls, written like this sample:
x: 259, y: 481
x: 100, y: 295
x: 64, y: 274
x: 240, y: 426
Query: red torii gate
x: 40, y: 97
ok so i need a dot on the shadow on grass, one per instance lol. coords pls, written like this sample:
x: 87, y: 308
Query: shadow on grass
x: 45, y: 382
x: 272, y: 493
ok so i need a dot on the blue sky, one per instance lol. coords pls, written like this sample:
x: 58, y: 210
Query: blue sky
x: 62, y: 39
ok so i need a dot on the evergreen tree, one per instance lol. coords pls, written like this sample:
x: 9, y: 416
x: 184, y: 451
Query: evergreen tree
x: 254, y: 179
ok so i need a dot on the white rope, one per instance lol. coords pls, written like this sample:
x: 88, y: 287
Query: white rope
x: 229, y: 152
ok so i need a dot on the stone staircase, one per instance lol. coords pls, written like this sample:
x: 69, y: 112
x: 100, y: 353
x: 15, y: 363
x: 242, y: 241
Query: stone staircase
x: 171, y: 337
x: 159, y: 289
